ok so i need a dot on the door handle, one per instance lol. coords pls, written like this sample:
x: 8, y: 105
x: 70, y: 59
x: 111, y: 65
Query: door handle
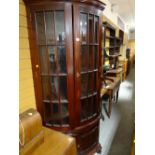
x: 77, y: 74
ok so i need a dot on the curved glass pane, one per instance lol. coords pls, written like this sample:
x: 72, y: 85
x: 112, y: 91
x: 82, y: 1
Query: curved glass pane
x: 83, y: 27
x: 40, y: 27
x: 54, y: 88
x: 62, y: 59
x: 84, y: 57
x: 52, y: 58
x: 43, y: 60
x: 60, y: 26
x: 50, y: 34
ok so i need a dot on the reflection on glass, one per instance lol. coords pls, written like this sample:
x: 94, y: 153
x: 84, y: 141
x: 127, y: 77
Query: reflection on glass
x: 90, y: 83
x: 62, y: 59
x: 40, y: 28
x: 84, y: 109
x: 52, y: 58
x: 83, y: 27
x: 96, y: 28
x: 91, y: 28
x: 84, y: 84
x: 60, y: 26
x: 46, y: 89
x: 43, y: 62
x: 84, y: 57
x: 54, y: 88
x: 49, y: 19
x: 63, y: 87
x: 91, y: 57
x: 95, y: 57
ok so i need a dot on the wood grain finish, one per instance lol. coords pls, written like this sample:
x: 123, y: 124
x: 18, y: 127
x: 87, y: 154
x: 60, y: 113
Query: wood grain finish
x: 83, y: 131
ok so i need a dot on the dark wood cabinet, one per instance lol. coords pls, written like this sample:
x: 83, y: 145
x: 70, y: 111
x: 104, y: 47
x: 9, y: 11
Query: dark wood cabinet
x: 65, y: 54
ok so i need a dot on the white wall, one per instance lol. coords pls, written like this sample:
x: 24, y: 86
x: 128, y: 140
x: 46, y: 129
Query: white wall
x: 112, y: 16
x: 107, y: 12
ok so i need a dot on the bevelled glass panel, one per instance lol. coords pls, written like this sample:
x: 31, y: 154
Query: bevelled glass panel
x: 84, y: 109
x: 90, y: 83
x: 62, y: 59
x: 43, y: 60
x: 83, y: 27
x: 90, y: 102
x: 84, y: 57
x: 94, y: 104
x: 40, y: 27
x: 96, y: 29
x: 91, y: 57
x: 54, y: 88
x: 46, y: 88
x: 60, y: 26
x: 95, y: 81
x: 48, y: 112
x: 55, y: 108
x: 50, y: 34
x: 65, y: 113
x: 63, y: 87
x: 95, y: 57
x: 52, y: 58
x: 91, y: 28
x: 84, y: 84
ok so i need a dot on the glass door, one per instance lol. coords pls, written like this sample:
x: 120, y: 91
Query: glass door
x: 89, y: 24
x: 54, y: 60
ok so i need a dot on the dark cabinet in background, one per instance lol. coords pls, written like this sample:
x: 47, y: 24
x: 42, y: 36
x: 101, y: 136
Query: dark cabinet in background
x: 65, y: 54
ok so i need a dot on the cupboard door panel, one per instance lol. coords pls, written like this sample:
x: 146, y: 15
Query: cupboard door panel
x: 40, y: 28
x: 54, y: 88
x: 60, y: 26
x: 43, y: 59
x: 83, y: 27
x: 91, y: 28
x: 84, y: 58
x: 52, y: 59
x: 63, y: 88
x: 50, y: 33
x: 62, y: 59
x: 84, y: 85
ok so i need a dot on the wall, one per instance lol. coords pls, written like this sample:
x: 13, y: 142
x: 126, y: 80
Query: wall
x: 132, y: 34
x: 107, y: 12
x: 26, y: 87
x: 112, y: 15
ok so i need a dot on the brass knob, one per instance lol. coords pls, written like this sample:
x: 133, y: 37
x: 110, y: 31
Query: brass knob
x: 77, y: 75
x: 37, y: 66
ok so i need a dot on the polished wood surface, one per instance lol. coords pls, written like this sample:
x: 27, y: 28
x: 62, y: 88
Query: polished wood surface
x: 112, y: 90
x: 86, y: 131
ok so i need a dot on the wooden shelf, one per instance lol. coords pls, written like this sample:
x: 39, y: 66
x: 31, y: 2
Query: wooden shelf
x: 109, y: 47
x: 118, y: 70
x: 109, y: 37
x: 114, y: 55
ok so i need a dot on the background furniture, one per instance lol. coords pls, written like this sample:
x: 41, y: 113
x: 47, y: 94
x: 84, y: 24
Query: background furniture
x: 65, y: 51
x: 39, y: 140
x: 111, y: 92
x: 112, y: 70
x: 112, y: 45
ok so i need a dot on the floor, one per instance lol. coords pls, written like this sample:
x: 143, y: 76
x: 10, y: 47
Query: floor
x: 116, y: 132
